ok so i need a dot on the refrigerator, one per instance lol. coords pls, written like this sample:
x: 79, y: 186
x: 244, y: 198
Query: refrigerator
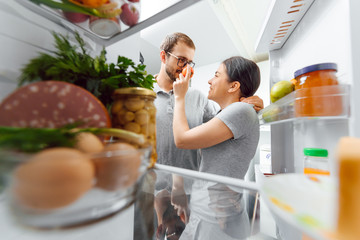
x: 298, y: 34
x: 316, y: 31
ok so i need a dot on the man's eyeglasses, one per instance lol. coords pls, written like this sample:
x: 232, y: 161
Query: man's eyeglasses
x: 182, y: 61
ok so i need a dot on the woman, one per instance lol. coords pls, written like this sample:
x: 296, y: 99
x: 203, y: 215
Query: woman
x: 228, y: 142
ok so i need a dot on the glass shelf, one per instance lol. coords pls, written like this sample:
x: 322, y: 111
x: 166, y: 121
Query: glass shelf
x: 327, y: 102
x: 146, y: 19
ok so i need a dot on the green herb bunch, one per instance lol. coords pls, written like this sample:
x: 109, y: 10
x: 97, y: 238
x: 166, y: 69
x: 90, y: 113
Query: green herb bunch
x: 30, y: 140
x: 92, y: 73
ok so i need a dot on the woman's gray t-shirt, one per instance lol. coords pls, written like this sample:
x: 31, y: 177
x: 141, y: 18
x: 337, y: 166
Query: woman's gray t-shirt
x: 232, y: 157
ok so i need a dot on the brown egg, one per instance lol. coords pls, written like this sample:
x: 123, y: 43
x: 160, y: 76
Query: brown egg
x: 120, y: 170
x: 88, y: 143
x: 53, y: 178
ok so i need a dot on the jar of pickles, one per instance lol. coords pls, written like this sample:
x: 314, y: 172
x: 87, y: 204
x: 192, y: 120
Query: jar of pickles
x: 134, y: 110
x: 317, y: 91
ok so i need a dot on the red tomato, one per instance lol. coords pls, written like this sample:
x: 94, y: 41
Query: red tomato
x: 185, y: 70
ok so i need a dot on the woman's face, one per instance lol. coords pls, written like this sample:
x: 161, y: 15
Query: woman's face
x: 219, y: 84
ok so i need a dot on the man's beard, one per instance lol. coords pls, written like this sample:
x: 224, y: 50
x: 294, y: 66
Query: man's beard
x: 171, y: 74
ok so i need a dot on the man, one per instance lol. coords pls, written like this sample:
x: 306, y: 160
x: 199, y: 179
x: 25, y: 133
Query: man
x: 178, y: 50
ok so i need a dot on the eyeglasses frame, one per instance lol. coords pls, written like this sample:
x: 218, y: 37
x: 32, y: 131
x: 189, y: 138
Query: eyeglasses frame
x: 192, y: 64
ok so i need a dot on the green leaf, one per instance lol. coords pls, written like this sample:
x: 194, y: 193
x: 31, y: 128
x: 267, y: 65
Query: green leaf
x: 73, y: 64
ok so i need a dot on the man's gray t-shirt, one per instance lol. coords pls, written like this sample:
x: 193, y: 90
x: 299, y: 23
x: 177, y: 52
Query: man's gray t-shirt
x: 232, y: 157
x: 198, y: 109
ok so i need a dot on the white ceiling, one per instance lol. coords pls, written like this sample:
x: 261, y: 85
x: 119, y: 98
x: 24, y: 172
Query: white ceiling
x: 219, y: 29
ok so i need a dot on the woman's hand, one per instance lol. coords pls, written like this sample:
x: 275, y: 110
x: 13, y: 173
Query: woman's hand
x: 181, y: 85
x: 254, y: 100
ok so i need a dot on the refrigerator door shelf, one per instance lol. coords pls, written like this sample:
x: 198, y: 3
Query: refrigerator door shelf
x: 330, y: 102
x: 302, y: 204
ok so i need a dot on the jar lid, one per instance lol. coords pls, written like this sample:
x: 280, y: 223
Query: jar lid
x: 135, y: 91
x: 316, y: 152
x: 316, y: 67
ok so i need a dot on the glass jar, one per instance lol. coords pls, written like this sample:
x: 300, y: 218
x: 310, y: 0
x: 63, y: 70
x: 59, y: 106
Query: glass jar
x: 317, y: 91
x: 134, y: 110
x: 316, y: 161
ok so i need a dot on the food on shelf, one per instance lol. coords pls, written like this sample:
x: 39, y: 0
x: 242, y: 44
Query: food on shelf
x: 129, y: 15
x: 101, y: 8
x: 88, y: 143
x: 53, y: 178
x: 90, y: 3
x: 318, y: 92
x: 281, y: 89
x: 119, y: 170
x: 69, y: 64
x: 349, y: 185
x: 75, y: 17
x: 134, y: 110
x: 52, y: 104
x: 271, y: 115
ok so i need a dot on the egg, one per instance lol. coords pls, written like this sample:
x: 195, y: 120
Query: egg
x: 53, y: 178
x: 88, y: 143
x: 118, y: 167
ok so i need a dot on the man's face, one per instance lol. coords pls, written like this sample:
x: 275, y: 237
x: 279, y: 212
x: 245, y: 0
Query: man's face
x: 181, y: 51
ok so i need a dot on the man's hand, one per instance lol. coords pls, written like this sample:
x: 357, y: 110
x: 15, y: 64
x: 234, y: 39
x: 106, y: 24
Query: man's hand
x: 180, y: 202
x: 254, y: 100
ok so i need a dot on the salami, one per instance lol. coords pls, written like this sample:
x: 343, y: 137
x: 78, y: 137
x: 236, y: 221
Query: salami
x: 52, y: 104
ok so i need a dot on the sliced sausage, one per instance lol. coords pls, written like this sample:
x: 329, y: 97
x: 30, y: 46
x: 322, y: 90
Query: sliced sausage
x: 52, y: 104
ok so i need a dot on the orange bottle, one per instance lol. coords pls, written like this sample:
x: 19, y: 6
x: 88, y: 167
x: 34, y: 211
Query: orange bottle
x: 317, y: 91
x: 316, y: 161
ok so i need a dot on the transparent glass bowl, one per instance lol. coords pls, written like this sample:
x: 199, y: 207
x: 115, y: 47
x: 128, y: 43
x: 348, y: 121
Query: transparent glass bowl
x: 114, y: 187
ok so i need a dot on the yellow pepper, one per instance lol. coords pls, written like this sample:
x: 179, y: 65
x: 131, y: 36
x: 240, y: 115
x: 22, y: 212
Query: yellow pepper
x: 89, y: 3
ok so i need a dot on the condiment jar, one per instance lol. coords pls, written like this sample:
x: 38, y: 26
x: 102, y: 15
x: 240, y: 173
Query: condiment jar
x: 134, y: 110
x: 316, y: 161
x: 317, y: 91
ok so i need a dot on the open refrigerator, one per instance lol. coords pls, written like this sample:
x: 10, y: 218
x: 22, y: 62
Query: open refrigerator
x: 298, y: 34
x: 316, y: 31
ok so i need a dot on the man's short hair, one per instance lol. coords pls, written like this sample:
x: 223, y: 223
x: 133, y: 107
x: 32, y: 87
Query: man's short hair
x: 172, y: 39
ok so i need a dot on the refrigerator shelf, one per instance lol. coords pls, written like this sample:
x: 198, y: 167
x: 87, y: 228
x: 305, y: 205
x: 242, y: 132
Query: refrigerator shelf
x: 326, y: 102
x: 58, y: 18
x: 303, y: 204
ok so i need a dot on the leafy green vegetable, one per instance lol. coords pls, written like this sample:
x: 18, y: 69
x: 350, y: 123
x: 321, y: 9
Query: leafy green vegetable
x: 92, y: 73
x: 35, y: 139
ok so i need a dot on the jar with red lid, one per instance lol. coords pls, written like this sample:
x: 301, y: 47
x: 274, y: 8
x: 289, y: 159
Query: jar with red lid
x: 317, y: 91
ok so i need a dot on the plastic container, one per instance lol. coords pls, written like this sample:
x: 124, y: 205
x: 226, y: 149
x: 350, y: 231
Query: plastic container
x: 316, y: 161
x: 104, y: 27
x: 52, y: 204
x: 265, y: 158
x: 315, y: 94
x: 134, y: 110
